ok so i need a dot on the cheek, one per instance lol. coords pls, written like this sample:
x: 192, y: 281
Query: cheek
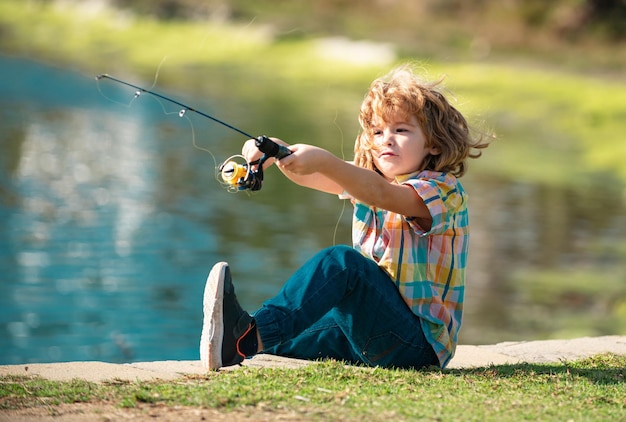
x: 377, y: 143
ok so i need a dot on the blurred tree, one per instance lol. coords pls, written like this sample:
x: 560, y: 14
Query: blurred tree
x: 177, y: 9
x: 570, y: 18
x: 609, y: 16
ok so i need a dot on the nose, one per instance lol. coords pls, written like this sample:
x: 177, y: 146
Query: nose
x: 387, y: 137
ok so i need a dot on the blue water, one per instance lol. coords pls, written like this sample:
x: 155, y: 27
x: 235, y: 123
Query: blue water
x: 110, y: 222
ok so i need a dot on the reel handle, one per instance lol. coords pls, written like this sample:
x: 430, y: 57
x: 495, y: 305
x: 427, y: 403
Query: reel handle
x: 271, y: 148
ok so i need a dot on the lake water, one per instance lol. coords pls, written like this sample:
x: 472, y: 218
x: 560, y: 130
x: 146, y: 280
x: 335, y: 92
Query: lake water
x: 111, y: 218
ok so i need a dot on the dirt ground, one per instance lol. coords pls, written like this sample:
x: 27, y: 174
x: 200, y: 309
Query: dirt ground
x: 148, y: 412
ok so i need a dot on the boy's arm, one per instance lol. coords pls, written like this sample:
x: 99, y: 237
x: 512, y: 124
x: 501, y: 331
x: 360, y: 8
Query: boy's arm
x: 312, y: 166
x: 318, y: 169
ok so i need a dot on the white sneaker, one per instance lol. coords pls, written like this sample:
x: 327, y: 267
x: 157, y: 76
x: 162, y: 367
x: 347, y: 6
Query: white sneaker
x: 212, y: 327
x: 225, y: 322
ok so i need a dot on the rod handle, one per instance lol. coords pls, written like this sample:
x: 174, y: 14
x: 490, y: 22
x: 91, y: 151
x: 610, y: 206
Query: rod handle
x: 271, y: 148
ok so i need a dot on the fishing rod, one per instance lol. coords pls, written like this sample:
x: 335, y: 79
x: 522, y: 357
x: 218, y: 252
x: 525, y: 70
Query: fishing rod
x: 238, y: 176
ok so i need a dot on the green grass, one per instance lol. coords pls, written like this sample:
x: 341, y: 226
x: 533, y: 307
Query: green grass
x: 590, y: 389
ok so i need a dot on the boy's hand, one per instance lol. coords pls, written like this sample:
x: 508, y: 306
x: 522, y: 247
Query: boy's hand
x: 304, y: 159
x: 251, y: 153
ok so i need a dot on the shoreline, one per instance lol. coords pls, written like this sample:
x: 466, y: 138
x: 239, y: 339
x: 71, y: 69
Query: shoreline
x: 467, y: 356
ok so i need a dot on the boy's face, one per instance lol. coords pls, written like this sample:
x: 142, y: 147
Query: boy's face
x: 399, y: 146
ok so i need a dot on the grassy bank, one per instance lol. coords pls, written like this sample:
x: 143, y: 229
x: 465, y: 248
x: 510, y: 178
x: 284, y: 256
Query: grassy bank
x: 591, y: 389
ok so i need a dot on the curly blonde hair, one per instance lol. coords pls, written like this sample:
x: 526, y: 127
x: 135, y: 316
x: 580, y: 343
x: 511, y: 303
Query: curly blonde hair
x: 401, y: 93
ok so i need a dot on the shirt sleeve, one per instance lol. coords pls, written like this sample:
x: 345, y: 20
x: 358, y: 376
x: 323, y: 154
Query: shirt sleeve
x: 439, y: 196
x: 345, y: 195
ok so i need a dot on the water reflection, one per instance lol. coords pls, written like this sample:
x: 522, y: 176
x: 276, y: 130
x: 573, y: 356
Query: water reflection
x: 111, y: 220
x: 545, y: 260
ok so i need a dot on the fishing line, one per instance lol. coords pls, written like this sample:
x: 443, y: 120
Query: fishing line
x: 236, y: 177
x: 137, y: 94
x: 343, y: 157
x: 184, y: 108
x: 158, y: 72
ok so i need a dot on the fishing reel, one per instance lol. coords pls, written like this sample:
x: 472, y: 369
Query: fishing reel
x: 239, y: 176
x: 244, y: 176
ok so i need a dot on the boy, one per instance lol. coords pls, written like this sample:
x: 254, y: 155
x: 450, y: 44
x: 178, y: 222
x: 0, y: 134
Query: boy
x: 394, y: 299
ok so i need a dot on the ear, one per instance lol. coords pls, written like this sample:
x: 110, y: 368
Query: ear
x: 434, y: 151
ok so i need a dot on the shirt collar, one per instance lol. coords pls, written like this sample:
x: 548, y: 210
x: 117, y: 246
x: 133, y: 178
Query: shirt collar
x: 404, y: 177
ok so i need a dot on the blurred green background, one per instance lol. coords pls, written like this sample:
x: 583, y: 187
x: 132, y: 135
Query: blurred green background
x: 548, y: 198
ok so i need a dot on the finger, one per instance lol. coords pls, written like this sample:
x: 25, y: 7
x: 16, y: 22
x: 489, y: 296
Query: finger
x: 249, y: 150
x: 284, y: 163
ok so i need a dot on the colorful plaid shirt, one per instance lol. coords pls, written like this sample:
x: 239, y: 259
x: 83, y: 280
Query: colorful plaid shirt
x: 427, y: 266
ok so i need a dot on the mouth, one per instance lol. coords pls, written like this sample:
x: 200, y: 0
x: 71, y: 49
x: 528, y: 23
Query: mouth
x: 386, y: 154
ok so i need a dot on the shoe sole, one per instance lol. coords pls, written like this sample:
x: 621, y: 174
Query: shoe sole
x: 212, y: 325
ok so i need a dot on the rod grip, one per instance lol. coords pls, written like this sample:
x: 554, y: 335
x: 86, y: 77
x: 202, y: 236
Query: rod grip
x: 271, y: 148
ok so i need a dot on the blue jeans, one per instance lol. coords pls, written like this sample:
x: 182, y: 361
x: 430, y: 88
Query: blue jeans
x: 341, y: 305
